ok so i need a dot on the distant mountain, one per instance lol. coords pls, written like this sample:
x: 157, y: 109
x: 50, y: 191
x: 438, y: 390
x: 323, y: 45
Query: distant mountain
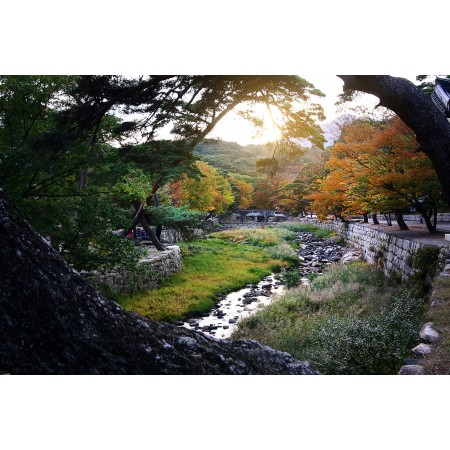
x: 331, y: 132
x: 231, y: 157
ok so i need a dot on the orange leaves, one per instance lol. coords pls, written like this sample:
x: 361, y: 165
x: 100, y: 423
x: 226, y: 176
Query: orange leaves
x: 243, y: 191
x: 375, y: 167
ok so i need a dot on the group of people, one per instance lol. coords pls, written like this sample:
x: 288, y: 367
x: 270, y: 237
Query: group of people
x: 139, y: 233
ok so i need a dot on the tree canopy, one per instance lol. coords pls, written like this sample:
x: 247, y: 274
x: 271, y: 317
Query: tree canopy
x: 374, y: 166
x: 83, y: 156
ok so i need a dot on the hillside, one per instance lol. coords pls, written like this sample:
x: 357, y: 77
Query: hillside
x: 232, y: 157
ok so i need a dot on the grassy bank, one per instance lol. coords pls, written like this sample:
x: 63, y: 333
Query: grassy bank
x: 350, y: 321
x: 220, y: 264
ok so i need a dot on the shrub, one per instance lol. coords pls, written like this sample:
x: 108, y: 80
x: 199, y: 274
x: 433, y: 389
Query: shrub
x: 283, y: 252
x: 323, y: 233
x: 299, y: 227
x: 375, y: 344
x: 293, y: 227
x: 285, y: 234
x: 355, y: 272
x: 292, y: 278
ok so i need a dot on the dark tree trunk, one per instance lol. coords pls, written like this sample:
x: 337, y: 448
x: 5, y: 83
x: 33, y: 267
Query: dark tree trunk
x: 338, y: 216
x: 158, y: 227
x: 53, y: 322
x: 388, y: 219
x: 400, y: 221
x: 366, y: 218
x: 158, y: 232
x: 431, y: 228
x: 427, y: 217
x: 151, y: 233
x: 83, y: 179
x: 417, y: 111
x: 375, y: 219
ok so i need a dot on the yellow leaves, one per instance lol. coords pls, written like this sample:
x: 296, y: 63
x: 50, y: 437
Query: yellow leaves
x: 211, y: 193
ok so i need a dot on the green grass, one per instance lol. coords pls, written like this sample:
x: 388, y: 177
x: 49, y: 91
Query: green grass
x: 307, y: 228
x: 349, y: 322
x: 260, y: 237
x: 209, y: 267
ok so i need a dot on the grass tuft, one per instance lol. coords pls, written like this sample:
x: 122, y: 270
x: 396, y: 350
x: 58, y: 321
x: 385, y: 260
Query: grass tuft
x: 295, y: 227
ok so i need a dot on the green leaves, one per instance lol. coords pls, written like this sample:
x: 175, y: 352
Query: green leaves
x: 134, y: 185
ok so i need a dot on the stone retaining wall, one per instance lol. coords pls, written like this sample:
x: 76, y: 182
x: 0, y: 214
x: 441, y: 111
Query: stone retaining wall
x: 155, y: 267
x: 173, y: 236
x: 391, y: 253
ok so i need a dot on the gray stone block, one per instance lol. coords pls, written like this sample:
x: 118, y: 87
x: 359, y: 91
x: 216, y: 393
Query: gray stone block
x: 411, y: 370
x: 422, y: 349
x: 428, y: 334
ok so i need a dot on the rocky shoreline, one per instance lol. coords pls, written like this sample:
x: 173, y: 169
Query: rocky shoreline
x: 316, y: 254
x: 221, y: 319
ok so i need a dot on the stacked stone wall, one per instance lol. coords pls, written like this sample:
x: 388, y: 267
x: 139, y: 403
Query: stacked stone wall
x: 153, y: 269
x: 173, y: 236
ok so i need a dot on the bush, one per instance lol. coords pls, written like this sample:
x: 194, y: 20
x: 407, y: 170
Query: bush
x: 292, y: 278
x: 355, y: 272
x: 293, y: 227
x: 375, y: 344
x: 285, y: 234
x: 299, y: 227
x: 323, y: 233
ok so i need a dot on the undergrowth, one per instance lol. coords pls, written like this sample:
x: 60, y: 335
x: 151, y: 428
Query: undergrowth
x: 350, y: 321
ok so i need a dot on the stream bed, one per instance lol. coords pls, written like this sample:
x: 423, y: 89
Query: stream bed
x: 221, y: 321
x: 315, y: 255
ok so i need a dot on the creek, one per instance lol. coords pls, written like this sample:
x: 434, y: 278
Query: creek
x: 221, y: 321
x: 315, y: 255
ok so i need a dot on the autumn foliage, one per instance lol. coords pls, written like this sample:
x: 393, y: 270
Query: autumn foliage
x: 375, y: 167
x: 210, y: 192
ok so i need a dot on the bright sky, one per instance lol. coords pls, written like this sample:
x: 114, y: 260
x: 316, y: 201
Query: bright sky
x: 233, y: 128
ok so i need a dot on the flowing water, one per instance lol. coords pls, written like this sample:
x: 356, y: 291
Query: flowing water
x: 221, y: 321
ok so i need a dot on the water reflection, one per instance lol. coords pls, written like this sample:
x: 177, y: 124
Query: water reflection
x: 221, y: 321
